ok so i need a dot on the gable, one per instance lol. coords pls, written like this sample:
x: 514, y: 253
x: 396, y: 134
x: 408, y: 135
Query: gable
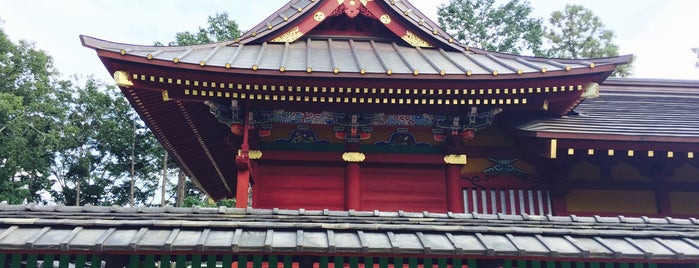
x: 390, y: 20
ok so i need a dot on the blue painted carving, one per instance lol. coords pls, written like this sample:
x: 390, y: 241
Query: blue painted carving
x: 503, y: 166
x: 402, y: 137
x: 403, y: 120
x: 281, y: 116
x: 504, y: 169
x: 302, y: 134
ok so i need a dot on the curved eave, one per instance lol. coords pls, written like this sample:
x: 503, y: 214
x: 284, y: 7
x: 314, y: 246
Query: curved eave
x: 198, y: 146
x: 658, y: 115
x: 358, y: 58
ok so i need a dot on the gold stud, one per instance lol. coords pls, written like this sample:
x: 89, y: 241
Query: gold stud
x: 568, y: 68
x: 442, y: 72
x: 336, y: 70
x: 544, y: 70
x: 592, y: 65
x: 202, y: 63
x: 416, y: 72
x: 495, y: 73
x: 149, y: 56
x: 309, y: 70
x: 255, y: 67
x: 362, y: 71
x: 469, y: 73
x: 520, y: 72
x: 176, y: 60
x: 122, y: 52
x: 389, y: 72
x: 228, y: 65
x: 282, y: 69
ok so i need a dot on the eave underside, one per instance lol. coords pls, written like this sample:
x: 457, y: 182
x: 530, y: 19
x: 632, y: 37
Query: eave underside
x: 193, y: 137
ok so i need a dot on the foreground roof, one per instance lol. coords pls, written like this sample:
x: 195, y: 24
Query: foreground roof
x: 185, y: 230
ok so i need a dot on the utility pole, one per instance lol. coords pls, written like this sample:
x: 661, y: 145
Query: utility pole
x: 133, y: 163
x: 162, y: 190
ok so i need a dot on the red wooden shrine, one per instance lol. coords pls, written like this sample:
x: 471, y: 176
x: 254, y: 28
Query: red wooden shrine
x: 358, y: 133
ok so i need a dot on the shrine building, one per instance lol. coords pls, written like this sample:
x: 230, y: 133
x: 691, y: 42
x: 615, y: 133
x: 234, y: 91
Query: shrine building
x: 358, y: 134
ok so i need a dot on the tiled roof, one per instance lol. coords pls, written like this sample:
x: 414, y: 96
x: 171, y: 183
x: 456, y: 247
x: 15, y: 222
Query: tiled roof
x: 118, y: 229
x: 289, y: 14
x: 630, y: 110
x: 351, y: 56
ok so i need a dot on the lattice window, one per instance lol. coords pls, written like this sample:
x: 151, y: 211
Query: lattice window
x: 507, y: 201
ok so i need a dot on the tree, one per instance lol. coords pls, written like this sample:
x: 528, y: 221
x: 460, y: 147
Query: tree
x: 94, y: 165
x: 506, y: 28
x: 31, y: 114
x: 576, y: 32
x: 220, y: 29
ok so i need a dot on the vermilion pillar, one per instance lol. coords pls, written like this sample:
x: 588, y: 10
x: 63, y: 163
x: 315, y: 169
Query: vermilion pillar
x: 241, y: 194
x: 242, y: 161
x: 352, y: 184
x: 353, y: 180
x: 454, y: 202
x: 454, y: 192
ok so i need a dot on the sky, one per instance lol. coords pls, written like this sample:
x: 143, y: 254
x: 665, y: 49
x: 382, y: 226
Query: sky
x: 660, y: 33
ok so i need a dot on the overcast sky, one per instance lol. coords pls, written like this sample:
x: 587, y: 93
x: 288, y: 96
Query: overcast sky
x: 659, y: 32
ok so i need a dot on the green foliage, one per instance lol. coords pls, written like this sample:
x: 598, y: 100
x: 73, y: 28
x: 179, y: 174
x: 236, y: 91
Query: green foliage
x: 576, y: 32
x: 506, y: 28
x: 191, y: 201
x: 31, y: 112
x: 99, y: 131
x: 219, y: 29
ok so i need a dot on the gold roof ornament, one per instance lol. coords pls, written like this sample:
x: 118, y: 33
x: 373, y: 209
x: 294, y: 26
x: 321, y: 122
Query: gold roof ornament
x: 122, y: 79
x: 415, y: 40
x: 289, y: 36
x: 591, y: 91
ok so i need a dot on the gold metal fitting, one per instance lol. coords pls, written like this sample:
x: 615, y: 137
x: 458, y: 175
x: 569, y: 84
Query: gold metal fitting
x: 353, y: 157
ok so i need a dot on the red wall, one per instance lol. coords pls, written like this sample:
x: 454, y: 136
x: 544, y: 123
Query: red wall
x: 298, y: 186
x: 407, y: 188
x: 383, y: 187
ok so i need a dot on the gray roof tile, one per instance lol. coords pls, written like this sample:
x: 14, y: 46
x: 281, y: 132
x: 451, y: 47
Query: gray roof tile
x: 324, y: 231
x: 348, y: 55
